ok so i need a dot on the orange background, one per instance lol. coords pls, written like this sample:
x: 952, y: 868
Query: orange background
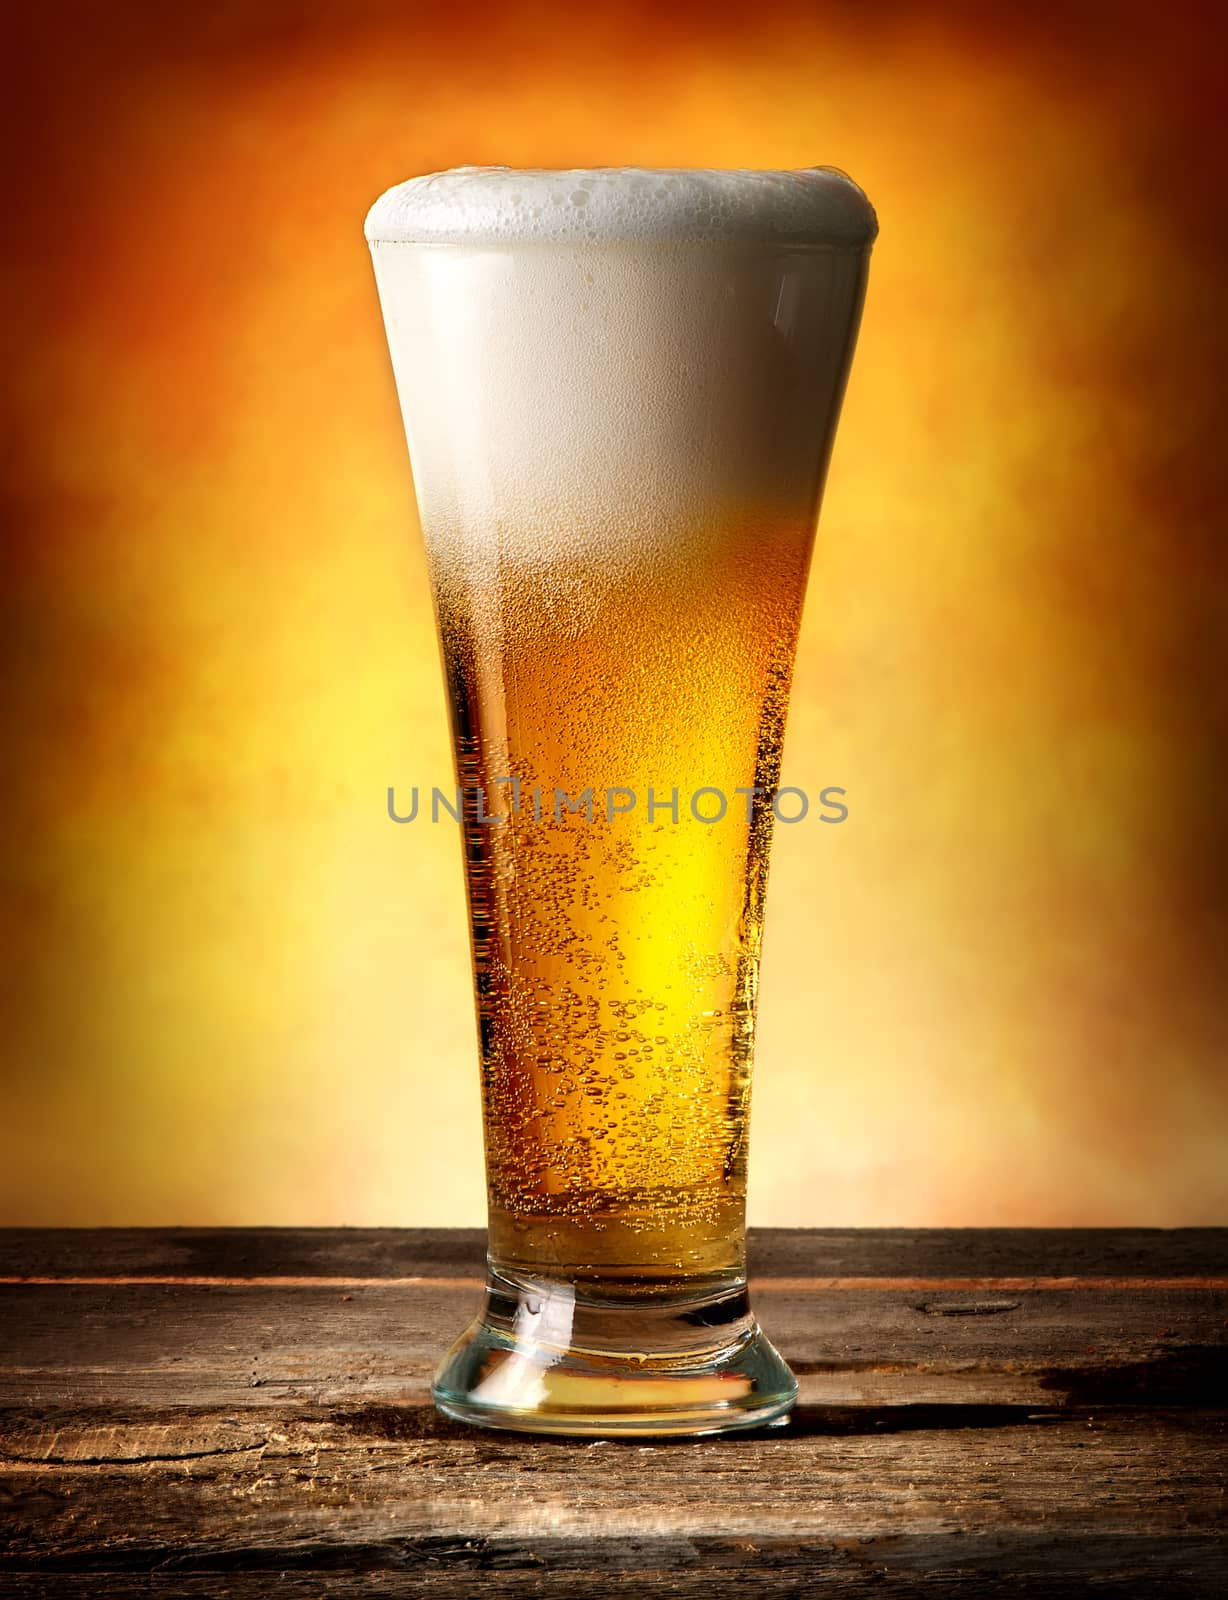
x: 236, y: 992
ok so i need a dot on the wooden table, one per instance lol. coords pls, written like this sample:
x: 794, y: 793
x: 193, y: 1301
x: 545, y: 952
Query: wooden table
x: 245, y: 1413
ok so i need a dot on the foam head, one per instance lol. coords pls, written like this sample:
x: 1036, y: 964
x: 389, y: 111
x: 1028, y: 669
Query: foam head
x: 471, y: 205
x: 595, y: 367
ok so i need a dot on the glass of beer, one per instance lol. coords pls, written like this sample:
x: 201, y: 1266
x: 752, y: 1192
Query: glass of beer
x: 619, y: 388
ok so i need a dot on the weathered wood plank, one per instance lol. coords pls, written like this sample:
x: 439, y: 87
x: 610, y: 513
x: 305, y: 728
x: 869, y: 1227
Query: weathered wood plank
x: 350, y: 1253
x: 1036, y: 1565
x: 380, y: 1501
x: 371, y: 1477
x: 163, y: 1439
x: 159, y: 1345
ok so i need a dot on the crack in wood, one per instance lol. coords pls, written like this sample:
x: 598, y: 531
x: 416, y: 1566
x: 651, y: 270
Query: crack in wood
x: 967, y: 1308
x: 144, y: 1459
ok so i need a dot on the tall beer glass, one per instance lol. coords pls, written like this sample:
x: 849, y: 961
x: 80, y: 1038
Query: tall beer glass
x: 619, y: 389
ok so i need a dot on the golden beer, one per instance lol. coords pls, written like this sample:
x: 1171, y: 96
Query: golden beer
x: 619, y: 390
x: 617, y: 950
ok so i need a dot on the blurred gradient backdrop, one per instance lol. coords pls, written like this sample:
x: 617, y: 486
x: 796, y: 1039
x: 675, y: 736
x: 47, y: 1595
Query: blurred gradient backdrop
x: 235, y: 992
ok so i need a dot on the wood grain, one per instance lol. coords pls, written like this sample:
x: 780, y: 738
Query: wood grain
x: 233, y: 1438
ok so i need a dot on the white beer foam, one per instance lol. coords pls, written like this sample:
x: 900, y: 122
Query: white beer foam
x: 472, y: 205
x: 619, y: 401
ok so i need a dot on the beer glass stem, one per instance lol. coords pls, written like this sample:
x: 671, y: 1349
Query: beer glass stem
x: 549, y: 1356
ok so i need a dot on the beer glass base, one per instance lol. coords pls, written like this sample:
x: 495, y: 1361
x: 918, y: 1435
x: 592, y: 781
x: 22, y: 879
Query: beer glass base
x: 552, y: 1357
